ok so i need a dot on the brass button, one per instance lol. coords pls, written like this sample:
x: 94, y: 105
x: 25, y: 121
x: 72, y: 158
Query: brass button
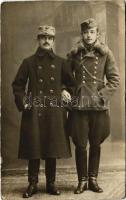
x: 51, y: 91
x: 95, y: 67
x: 83, y: 76
x: 53, y: 66
x: 94, y: 82
x: 83, y: 72
x: 96, y: 62
x: 39, y: 67
x: 95, y: 72
x: 94, y: 77
x: 51, y: 104
x: 96, y: 58
x: 83, y: 81
x: 52, y: 78
x: 40, y: 80
x: 40, y: 91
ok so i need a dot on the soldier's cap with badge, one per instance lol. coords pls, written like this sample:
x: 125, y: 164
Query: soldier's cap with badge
x: 88, y: 23
x: 46, y: 30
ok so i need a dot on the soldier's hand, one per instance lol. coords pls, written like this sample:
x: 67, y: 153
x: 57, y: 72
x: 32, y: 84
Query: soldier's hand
x: 66, y: 96
x: 26, y: 106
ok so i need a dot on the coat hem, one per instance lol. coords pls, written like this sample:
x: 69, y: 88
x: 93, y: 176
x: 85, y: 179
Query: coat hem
x: 43, y: 157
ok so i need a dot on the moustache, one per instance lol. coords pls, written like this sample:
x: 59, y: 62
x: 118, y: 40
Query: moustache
x: 46, y: 43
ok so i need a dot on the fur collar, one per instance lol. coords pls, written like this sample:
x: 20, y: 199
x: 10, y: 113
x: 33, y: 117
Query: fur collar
x: 98, y: 46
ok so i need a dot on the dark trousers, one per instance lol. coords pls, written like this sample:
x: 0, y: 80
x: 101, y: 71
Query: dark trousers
x: 92, y: 126
x: 50, y: 170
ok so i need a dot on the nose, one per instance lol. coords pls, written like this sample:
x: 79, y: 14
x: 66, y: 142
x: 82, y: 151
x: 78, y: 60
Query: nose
x: 88, y: 34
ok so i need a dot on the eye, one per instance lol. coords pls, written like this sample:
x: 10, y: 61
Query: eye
x: 85, y: 32
x: 50, y: 37
x: 92, y: 32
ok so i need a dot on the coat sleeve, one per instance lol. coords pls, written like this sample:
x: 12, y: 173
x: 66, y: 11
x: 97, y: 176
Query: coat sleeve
x: 112, y: 76
x: 68, y: 80
x: 19, y: 85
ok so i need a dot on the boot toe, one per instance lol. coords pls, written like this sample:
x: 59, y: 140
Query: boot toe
x: 30, y: 191
x: 57, y: 192
x: 93, y: 185
x: 26, y: 195
x: 82, y: 186
x: 100, y: 190
x: 52, y: 190
x: 77, y: 191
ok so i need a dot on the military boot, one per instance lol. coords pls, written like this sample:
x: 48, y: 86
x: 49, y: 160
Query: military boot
x: 82, y: 186
x: 81, y: 166
x: 32, y: 189
x: 93, y: 185
x: 33, y: 170
x: 50, y: 172
x: 94, y: 159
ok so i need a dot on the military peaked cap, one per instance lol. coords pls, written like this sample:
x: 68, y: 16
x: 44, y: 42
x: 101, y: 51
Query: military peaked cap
x: 89, y: 23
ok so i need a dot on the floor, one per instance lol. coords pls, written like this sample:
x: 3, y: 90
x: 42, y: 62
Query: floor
x: 111, y: 179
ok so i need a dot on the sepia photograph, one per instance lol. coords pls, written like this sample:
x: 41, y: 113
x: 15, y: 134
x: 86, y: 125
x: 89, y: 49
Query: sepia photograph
x: 63, y: 100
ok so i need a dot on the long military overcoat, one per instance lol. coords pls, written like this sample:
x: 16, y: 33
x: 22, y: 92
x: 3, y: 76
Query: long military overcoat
x: 42, y: 132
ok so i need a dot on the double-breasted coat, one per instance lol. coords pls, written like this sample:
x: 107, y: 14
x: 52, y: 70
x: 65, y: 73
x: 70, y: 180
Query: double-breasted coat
x: 96, y: 75
x: 97, y: 78
x: 42, y: 132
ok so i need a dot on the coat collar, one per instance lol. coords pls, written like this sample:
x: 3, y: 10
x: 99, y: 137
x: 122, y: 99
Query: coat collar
x: 79, y: 46
x: 42, y: 52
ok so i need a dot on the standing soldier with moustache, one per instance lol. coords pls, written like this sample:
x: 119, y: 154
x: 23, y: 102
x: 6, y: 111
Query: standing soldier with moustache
x: 97, y: 78
x: 42, y: 134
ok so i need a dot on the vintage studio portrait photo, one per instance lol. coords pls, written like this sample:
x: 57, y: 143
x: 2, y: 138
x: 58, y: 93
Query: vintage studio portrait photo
x: 63, y: 100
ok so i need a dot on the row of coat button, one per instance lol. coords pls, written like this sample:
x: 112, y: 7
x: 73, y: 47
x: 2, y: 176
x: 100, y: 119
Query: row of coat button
x: 41, y: 80
x: 95, y: 72
x: 83, y: 81
x: 51, y: 91
x: 51, y: 78
x: 52, y: 66
x: 95, y: 67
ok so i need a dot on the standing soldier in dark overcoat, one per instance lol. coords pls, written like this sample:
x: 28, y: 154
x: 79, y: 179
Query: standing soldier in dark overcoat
x: 97, y: 78
x: 42, y: 135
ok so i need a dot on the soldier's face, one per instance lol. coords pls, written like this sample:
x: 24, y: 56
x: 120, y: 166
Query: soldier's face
x: 46, y: 41
x: 90, y: 35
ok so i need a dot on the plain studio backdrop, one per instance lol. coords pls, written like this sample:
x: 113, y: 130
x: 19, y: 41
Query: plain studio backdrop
x: 20, y: 21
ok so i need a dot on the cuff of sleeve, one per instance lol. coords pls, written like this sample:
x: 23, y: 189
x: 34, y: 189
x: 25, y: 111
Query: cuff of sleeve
x: 63, y: 87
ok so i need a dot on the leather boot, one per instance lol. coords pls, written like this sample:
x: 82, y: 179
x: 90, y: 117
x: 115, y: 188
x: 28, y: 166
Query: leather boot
x: 94, y: 160
x: 32, y: 189
x: 81, y: 166
x: 93, y: 185
x: 50, y: 172
x: 33, y: 170
x: 52, y: 189
x: 82, y: 186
